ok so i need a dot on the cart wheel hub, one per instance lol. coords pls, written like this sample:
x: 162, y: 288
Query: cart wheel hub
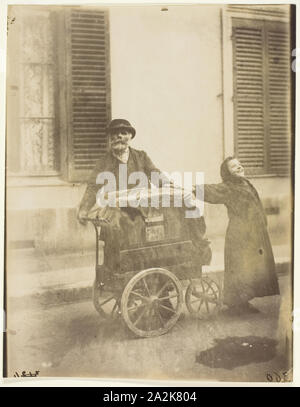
x: 153, y: 299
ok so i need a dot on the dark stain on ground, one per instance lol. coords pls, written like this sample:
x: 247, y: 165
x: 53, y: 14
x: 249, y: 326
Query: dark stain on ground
x: 81, y: 331
x: 236, y: 351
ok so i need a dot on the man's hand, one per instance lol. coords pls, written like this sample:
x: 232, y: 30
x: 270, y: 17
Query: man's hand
x: 81, y: 215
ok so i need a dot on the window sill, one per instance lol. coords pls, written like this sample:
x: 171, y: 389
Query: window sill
x: 14, y: 181
x: 250, y: 176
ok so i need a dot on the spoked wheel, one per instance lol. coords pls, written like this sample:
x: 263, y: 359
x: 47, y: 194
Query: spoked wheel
x: 203, y: 298
x: 107, y: 304
x: 152, y: 302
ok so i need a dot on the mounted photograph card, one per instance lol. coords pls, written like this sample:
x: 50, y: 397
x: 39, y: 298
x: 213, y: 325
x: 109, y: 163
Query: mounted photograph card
x: 149, y: 188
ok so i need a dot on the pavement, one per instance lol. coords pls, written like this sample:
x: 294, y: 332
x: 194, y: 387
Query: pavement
x: 71, y: 340
x: 33, y: 277
x: 52, y: 327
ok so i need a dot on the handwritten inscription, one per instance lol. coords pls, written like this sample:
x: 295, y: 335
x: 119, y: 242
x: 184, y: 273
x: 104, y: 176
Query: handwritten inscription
x: 10, y: 20
x: 279, y: 376
x: 25, y: 374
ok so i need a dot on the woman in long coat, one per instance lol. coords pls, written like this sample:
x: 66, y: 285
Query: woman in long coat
x: 249, y: 261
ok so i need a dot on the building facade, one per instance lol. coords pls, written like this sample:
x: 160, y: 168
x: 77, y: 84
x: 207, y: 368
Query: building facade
x: 198, y: 83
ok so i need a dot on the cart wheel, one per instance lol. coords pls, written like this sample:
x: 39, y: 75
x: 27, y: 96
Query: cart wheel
x: 152, y: 302
x: 106, y: 303
x: 203, y: 297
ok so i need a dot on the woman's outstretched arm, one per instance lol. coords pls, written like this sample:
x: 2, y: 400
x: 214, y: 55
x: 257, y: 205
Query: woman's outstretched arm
x: 213, y: 193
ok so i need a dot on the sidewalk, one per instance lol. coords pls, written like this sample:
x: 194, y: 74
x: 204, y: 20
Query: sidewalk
x: 50, y: 280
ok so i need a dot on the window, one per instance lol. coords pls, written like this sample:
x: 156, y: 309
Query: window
x: 261, y: 80
x: 33, y: 142
x: 88, y: 89
x: 58, y: 91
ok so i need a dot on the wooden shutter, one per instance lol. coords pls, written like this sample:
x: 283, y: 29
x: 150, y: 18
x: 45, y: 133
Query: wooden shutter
x: 261, y: 66
x: 89, y: 89
x: 249, y: 96
x: 279, y: 98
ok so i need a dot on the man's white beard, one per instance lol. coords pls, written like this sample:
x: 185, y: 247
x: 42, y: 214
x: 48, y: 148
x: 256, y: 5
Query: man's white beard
x: 119, y: 148
x: 121, y: 152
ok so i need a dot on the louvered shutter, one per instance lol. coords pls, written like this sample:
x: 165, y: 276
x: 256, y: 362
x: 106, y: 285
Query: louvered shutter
x: 249, y: 96
x: 261, y: 96
x: 89, y: 89
x: 278, y: 47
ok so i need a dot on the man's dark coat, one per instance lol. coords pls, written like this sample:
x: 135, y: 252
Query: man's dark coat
x: 137, y: 161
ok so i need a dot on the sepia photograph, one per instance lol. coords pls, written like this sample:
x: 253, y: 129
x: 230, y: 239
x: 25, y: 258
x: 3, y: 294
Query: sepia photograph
x: 149, y: 192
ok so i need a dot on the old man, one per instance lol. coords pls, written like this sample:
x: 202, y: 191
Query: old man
x: 120, y: 133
